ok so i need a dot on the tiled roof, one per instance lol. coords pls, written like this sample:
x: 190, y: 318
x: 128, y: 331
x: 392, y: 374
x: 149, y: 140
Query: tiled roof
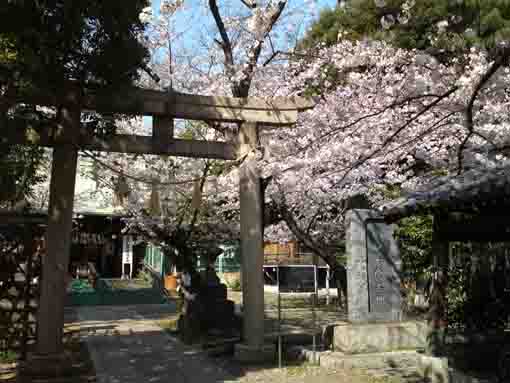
x: 473, y: 191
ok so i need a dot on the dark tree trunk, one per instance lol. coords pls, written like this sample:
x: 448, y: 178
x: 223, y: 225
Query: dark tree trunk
x: 338, y: 270
x: 340, y: 279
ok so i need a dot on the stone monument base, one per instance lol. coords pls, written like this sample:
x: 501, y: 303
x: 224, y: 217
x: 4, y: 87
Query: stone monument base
x: 45, y: 366
x: 249, y: 354
x: 379, y: 337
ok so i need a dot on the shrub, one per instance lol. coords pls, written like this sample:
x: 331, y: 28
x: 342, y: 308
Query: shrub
x: 8, y: 356
x: 234, y: 285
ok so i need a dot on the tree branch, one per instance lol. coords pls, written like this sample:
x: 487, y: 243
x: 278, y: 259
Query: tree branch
x: 312, y: 221
x: 201, y: 187
x: 225, y: 44
x: 389, y: 139
x: 469, y: 120
x: 254, y: 53
x: 299, y: 233
x: 395, y: 104
x: 249, y: 3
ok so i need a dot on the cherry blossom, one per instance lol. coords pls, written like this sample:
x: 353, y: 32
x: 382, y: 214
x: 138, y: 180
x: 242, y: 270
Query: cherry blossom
x: 385, y: 119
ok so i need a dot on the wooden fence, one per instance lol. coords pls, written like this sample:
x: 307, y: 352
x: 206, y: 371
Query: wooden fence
x: 21, y: 250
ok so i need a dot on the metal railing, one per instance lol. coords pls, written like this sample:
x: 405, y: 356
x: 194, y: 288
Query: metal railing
x: 288, y: 260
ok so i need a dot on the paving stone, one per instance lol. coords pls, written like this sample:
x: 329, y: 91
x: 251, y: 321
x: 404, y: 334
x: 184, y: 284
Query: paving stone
x: 139, y: 352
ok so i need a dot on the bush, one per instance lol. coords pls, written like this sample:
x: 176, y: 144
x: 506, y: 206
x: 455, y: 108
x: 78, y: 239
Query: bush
x: 234, y: 285
x: 8, y: 356
x: 145, y: 276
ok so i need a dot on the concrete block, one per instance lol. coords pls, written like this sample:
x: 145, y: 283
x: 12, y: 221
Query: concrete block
x: 379, y: 337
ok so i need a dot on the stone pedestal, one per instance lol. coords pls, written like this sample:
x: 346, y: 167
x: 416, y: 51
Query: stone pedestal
x: 379, y: 337
x: 248, y: 354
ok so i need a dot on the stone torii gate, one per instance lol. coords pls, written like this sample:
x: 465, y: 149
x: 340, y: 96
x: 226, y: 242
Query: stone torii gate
x: 66, y: 137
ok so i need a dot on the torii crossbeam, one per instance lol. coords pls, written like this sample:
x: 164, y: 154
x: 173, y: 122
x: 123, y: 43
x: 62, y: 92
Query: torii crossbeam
x: 67, y: 137
x: 163, y: 106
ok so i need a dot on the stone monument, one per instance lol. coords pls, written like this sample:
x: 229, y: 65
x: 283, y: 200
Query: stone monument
x: 206, y: 309
x: 374, y: 290
x: 373, y: 268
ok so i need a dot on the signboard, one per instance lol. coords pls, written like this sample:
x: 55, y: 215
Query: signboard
x: 383, y: 265
x: 127, y: 253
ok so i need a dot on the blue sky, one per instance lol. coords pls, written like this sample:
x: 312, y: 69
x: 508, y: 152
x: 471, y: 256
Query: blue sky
x: 193, y: 22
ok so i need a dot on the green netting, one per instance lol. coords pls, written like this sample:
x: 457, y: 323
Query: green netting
x: 154, y: 258
x: 83, y: 294
x: 229, y: 261
x: 81, y: 286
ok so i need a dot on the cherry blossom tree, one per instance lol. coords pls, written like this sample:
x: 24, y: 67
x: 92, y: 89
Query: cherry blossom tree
x: 240, y: 40
x: 386, y: 119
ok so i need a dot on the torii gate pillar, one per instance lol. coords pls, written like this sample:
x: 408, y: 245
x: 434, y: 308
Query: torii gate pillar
x: 252, y: 253
x: 60, y: 213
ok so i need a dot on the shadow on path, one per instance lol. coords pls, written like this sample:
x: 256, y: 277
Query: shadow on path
x: 127, y: 346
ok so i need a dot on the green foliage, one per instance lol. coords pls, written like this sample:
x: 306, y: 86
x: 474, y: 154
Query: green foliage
x: 47, y: 42
x: 465, y: 23
x: 7, y: 50
x: 477, y: 292
x: 458, y: 291
x: 330, y: 79
x: 145, y: 276
x: 234, y: 285
x: 472, y: 302
x: 324, y: 30
x: 18, y: 167
x: 414, y: 236
x: 8, y: 356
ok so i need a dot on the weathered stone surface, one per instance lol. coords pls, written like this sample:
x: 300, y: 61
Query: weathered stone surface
x: 399, y: 366
x: 252, y: 238
x: 379, y: 337
x: 373, y: 268
x: 433, y: 369
x: 396, y: 359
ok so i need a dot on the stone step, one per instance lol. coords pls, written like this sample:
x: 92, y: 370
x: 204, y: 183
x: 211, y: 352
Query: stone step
x: 383, y: 360
x: 335, y: 359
